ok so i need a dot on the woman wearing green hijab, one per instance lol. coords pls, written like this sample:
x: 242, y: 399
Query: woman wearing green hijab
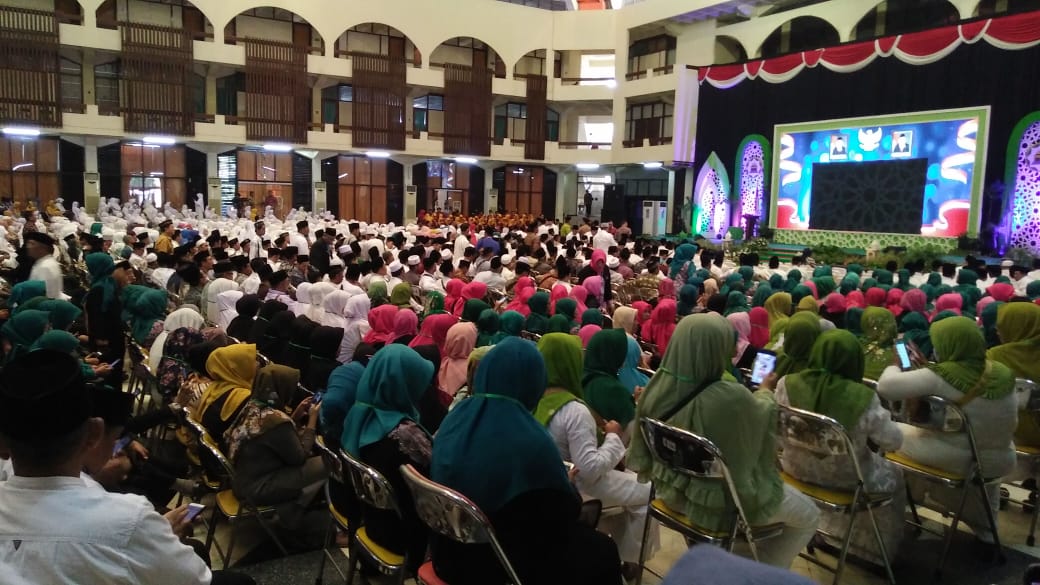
x: 988, y: 320
x: 779, y: 308
x: 854, y: 321
x: 377, y: 292
x: 592, y: 317
x: 762, y: 292
x: 491, y: 450
x: 903, y: 283
x: 144, y: 307
x: 1018, y: 325
x: 800, y: 292
x: 63, y: 313
x: 24, y: 291
x: 879, y: 336
x: 849, y: 283
x: 968, y: 289
x: 383, y: 429
x: 433, y: 304
x: 692, y: 395
x: 931, y: 286
x: 734, y: 282
x: 66, y: 342
x: 401, y: 296
x: 472, y: 309
x: 538, y: 321
x: 487, y: 328
x: 104, y: 313
x: 22, y: 331
x: 736, y: 302
x: 511, y: 323
x: 794, y: 278
x: 915, y: 329
x: 567, y: 307
x: 832, y: 386
x: 985, y: 391
x: 867, y: 284
x: 884, y: 279
x: 802, y: 330
x: 604, y: 393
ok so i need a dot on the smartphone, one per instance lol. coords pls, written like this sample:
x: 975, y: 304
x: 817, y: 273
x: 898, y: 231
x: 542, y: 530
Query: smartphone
x: 765, y: 363
x: 904, y: 355
x: 317, y: 397
x: 193, y: 511
x: 121, y: 444
x: 114, y: 364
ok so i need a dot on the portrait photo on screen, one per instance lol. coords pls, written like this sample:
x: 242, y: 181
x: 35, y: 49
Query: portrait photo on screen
x: 839, y: 144
x: 879, y: 196
x: 902, y: 144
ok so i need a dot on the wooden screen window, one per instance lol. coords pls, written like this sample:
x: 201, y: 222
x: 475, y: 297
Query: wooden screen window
x: 29, y: 171
x: 265, y: 179
x: 523, y: 192
x: 380, y: 94
x: 362, y: 188
x: 153, y: 173
x: 277, y: 94
x: 467, y: 110
x: 158, y: 83
x: 534, y: 139
x: 30, y: 70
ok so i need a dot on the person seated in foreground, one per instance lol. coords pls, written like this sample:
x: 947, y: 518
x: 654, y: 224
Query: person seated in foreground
x: 495, y: 453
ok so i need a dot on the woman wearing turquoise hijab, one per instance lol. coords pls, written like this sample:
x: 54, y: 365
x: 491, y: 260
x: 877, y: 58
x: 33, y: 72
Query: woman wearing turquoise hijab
x: 511, y: 323
x: 567, y: 307
x: 490, y: 449
x: 24, y: 291
x: 22, y: 331
x: 794, y: 278
x: 63, y: 313
x: 734, y: 282
x: 629, y: 374
x: 538, y: 321
x: 736, y: 302
x: 144, y: 307
x: 65, y: 342
x: 762, y: 292
x: 383, y: 429
x: 849, y: 283
x: 488, y: 328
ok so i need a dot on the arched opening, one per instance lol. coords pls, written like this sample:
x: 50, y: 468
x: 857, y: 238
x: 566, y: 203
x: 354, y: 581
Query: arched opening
x: 800, y: 34
x: 728, y: 50
x: 536, y: 63
x: 178, y: 14
x: 711, y: 199
x: 468, y: 52
x: 267, y: 24
x: 896, y: 18
x: 374, y: 38
x: 991, y: 8
x: 68, y: 11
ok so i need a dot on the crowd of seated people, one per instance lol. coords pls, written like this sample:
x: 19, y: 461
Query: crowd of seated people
x: 487, y: 356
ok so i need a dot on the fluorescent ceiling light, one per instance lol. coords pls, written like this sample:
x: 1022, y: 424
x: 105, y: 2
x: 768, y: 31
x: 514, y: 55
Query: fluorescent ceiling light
x: 466, y: 160
x: 653, y: 165
x: 21, y: 131
x: 165, y: 140
x: 278, y: 147
x: 587, y: 166
x: 21, y: 166
x: 377, y: 154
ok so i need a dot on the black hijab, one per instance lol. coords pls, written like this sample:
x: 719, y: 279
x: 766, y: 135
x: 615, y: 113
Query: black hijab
x: 247, y: 307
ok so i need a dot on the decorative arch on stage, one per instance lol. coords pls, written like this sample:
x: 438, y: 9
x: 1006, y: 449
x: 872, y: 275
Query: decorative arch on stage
x: 1023, y: 181
x: 752, y: 175
x: 711, y: 199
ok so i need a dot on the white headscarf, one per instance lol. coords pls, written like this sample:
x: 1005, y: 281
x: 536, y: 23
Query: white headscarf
x: 355, y: 317
x: 303, y: 299
x: 318, y: 292
x: 215, y: 288
x: 226, y: 304
x: 183, y: 317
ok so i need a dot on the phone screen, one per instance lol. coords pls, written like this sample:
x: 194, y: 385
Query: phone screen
x: 120, y: 445
x: 114, y: 364
x: 904, y: 355
x: 317, y: 397
x: 765, y: 363
x: 193, y: 511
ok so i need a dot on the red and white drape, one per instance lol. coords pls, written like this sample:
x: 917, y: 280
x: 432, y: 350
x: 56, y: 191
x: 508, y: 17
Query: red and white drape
x: 1019, y: 31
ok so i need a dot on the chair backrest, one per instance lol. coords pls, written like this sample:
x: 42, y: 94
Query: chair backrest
x: 136, y: 353
x: 935, y: 413
x: 370, y: 486
x: 452, y: 515
x: 207, y: 444
x: 818, y: 434
x: 1028, y: 393
x: 685, y: 452
x: 333, y: 464
x: 530, y: 336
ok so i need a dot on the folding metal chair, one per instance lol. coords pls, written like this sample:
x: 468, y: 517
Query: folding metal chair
x: 1028, y: 393
x: 373, y: 490
x: 692, y: 455
x: 334, y: 465
x: 530, y: 336
x: 824, y: 437
x: 452, y: 515
x: 945, y: 416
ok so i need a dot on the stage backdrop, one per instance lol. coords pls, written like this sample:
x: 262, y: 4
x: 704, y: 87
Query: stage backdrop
x: 911, y: 173
x: 972, y: 75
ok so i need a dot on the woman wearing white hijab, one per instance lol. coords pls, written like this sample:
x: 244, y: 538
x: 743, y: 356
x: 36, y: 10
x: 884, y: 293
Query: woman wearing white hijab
x: 213, y: 290
x: 303, y: 299
x: 354, y: 316
x: 183, y: 317
x: 317, y: 294
x: 226, y: 304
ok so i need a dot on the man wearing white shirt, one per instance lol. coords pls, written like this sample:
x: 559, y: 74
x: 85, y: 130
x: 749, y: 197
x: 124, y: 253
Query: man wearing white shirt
x: 279, y: 290
x: 429, y: 281
x: 301, y: 239
x: 1020, y: 280
x: 492, y: 277
x: 462, y: 241
x: 603, y: 240
x: 350, y: 283
x: 40, y: 248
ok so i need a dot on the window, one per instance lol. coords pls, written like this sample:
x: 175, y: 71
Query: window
x: 29, y: 170
x: 652, y: 52
x: 651, y: 121
x: 106, y: 87
x: 510, y: 122
x: 153, y: 174
x: 198, y: 93
x: 421, y: 106
x: 599, y: 68
x: 71, y: 82
x: 331, y: 98
x: 228, y: 89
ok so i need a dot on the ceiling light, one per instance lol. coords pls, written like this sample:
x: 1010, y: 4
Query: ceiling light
x: 278, y: 147
x: 377, y: 154
x: 587, y: 166
x: 653, y: 165
x: 21, y: 131
x: 466, y: 160
x: 164, y: 140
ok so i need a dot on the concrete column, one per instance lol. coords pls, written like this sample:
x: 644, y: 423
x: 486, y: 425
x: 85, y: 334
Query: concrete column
x: 211, y: 93
x: 91, y: 181
x: 88, y: 72
x: 212, y: 182
x: 566, y: 193
x: 318, y: 192
x: 488, y: 203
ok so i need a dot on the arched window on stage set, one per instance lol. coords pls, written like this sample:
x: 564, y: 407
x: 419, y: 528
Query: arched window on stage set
x: 1023, y: 180
x: 711, y: 198
x: 752, y: 169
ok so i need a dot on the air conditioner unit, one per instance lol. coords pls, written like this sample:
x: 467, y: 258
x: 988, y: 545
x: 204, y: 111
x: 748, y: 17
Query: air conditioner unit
x: 410, y: 196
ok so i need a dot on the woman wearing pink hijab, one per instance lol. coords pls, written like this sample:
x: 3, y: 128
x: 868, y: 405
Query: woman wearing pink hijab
x: 519, y: 302
x: 812, y: 288
x: 742, y: 323
x: 434, y: 331
x: 666, y: 289
x: 579, y: 293
x: 893, y: 301
x: 406, y: 325
x: 454, y: 290
x: 658, y: 330
x: 586, y: 333
x: 598, y: 261
x: 594, y: 284
x: 952, y: 302
x: 759, y: 336
x: 643, y: 310
x: 1000, y: 291
x: 455, y: 358
x: 381, y: 320
x: 558, y: 292
x: 914, y: 301
x: 856, y: 299
x: 876, y: 297
x: 473, y: 290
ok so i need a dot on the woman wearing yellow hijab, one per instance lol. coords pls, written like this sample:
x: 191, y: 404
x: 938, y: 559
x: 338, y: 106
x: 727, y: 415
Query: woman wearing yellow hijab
x: 233, y: 369
x: 779, y: 308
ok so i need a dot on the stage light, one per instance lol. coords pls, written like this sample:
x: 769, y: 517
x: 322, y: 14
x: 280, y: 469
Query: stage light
x: 377, y: 154
x: 466, y: 160
x: 21, y: 131
x: 587, y: 166
x: 275, y: 147
x: 163, y: 140
x: 652, y: 165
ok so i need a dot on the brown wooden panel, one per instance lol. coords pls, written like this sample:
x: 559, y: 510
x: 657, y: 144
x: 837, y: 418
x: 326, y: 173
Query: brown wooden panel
x: 283, y: 167
x: 194, y: 22
x: 247, y: 165
x: 511, y: 178
x: 378, y: 209
x: 6, y: 188
x: 346, y: 173
x: 5, y: 153
x: 467, y: 110
x: 46, y: 155
x: 152, y: 160
x: 175, y: 162
x: 363, y: 172
x: 534, y: 135
x: 380, y: 98
x: 277, y: 93
x: 462, y: 178
x: 537, y: 180
x: 346, y: 202
x: 30, y: 85
x: 130, y: 158
x: 106, y: 14
x: 156, y: 69
x: 175, y: 191
x: 536, y: 203
x: 363, y: 202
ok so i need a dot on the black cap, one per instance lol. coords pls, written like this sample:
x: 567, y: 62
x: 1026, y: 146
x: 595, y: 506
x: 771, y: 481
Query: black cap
x: 222, y: 267
x: 303, y: 258
x: 290, y: 251
x: 42, y: 395
x: 191, y: 273
x: 239, y: 262
x: 165, y: 224
x: 201, y: 256
x: 40, y: 237
x: 278, y: 277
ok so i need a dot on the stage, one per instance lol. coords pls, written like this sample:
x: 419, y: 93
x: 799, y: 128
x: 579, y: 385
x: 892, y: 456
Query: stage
x: 859, y: 240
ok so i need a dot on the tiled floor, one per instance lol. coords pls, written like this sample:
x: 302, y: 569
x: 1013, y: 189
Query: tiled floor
x: 963, y: 568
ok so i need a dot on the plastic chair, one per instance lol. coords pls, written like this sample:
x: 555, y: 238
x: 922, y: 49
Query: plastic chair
x: 334, y: 465
x: 373, y: 490
x: 452, y: 515
x: 230, y: 506
x: 1028, y: 393
x: 945, y: 416
x: 825, y: 437
x: 694, y: 456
